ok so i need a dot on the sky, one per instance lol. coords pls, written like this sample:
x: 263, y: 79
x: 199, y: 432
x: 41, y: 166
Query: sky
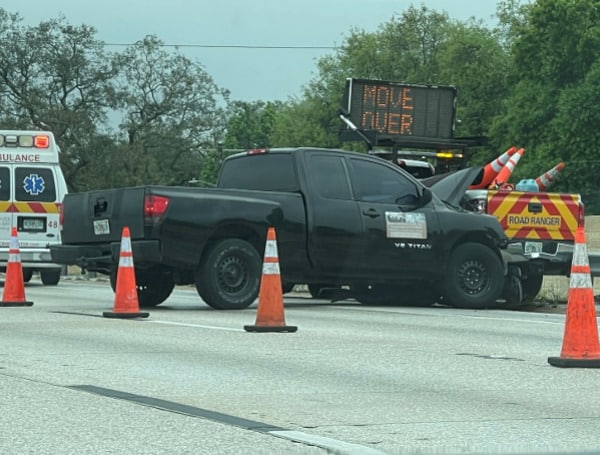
x: 250, y: 74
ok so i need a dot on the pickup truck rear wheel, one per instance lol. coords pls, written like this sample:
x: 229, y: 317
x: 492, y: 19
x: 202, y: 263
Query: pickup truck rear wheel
x: 474, y: 277
x: 229, y: 275
x: 154, y: 285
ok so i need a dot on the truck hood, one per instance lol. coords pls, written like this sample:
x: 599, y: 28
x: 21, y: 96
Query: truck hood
x: 451, y: 187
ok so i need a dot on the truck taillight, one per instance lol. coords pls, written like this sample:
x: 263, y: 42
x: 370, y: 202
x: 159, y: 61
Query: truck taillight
x: 155, y: 206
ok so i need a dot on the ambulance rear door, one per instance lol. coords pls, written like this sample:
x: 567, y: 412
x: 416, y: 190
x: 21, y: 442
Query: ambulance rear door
x: 36, y: 205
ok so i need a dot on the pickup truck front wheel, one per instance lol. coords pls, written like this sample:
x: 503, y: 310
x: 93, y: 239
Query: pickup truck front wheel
x: 229, y: 275
x: 154, y: 285
x: 474, y: 277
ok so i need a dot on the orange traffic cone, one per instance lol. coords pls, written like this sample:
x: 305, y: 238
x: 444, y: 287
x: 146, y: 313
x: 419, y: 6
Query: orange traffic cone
x: 490, y: 170
x: 126, y: 299
x: 507, y: 170
x: 14, y: 286
x: 580, y: 343
x: 548, y: 178
x: 270, y: 317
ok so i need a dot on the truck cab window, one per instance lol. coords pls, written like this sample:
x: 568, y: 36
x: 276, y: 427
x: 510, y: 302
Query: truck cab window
x: 329, y: 177
x: 269, y: 172
x: 373, y: 182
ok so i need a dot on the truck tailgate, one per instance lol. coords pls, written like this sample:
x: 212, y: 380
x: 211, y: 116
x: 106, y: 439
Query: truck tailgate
x: 99, y: 216
x: 536, y: 215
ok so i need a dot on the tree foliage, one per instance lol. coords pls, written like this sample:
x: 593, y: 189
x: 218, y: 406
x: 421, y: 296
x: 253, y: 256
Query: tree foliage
x: 58, y: 77
x: 145, y: 115
x: 552, y: 105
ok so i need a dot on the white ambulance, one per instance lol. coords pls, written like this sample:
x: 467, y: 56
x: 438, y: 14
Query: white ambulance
x: 32, y: 187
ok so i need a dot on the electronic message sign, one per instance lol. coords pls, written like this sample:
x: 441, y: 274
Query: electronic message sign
x: 395, y: 110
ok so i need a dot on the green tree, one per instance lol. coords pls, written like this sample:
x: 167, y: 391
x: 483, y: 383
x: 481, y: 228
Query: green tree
x: 174, y: 113
x: 55, y: 77
x: 419, y: 46
x: 250, y: 125
x: 549, y: 110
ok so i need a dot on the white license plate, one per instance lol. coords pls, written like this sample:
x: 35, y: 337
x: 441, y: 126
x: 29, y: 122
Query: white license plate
x: 533, y: 247
x: 101, y: 227
x: 33, y: 224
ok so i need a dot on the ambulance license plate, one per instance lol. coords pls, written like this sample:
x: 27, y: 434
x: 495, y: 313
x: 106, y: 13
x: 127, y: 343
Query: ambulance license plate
x: 32, y: 224
x: 101, y: 227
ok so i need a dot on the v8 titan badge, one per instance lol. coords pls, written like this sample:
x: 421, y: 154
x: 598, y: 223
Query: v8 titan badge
x: 400, y: 225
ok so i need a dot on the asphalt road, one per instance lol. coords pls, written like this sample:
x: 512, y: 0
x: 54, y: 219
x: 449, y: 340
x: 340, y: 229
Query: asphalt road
x: 351, y: 380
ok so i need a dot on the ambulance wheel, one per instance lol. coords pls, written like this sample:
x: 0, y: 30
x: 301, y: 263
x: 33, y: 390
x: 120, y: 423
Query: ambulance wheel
x: 49, y: 277
x: 228, y: 277
x: 27, y: 274
x: 474, y: 277
x: 154, y: 285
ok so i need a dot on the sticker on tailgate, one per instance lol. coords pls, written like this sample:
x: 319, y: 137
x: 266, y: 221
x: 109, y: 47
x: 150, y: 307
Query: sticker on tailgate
x: 101, y: 227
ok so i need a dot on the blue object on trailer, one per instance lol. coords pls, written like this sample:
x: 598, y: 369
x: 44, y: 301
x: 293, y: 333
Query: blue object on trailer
x: 527, y: 185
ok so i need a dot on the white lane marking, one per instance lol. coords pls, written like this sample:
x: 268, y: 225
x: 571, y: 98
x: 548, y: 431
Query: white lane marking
x: 200, y: 326
x: 335, y: 446
x: 466, y: 316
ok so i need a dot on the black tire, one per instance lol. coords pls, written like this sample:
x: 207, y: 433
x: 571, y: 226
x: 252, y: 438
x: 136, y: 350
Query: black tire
x: 474, y: 278
x: 228, y: 277
x: 27, y: 275
x: 154, y: 285
x: 513, y: 292
x: 397, y: 295
x: 50, y: 277
x: 532, y: 285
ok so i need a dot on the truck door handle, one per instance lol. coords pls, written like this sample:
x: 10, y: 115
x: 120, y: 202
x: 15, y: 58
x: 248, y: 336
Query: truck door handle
x: 534, y: 207
x: 371, y: 213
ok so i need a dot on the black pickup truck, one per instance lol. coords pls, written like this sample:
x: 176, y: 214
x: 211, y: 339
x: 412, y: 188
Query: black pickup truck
x: 342, y: 219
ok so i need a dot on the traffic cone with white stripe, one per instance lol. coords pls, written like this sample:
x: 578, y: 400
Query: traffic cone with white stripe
x: 507, y: 170
x: 14, y: 286
x: 580, y: 343
x: 548, y: 178
x: 126, y: 305
x: 491, y: 170
x: 269, y: 316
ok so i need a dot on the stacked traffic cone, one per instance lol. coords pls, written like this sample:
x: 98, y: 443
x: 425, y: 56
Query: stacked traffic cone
x: 490, y: 170
x: 548, y: 178
x: 580, y: 343
x: 507, y: 170
x: 14, y: 286
x: 269, y: 316
x: 126, y: 303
